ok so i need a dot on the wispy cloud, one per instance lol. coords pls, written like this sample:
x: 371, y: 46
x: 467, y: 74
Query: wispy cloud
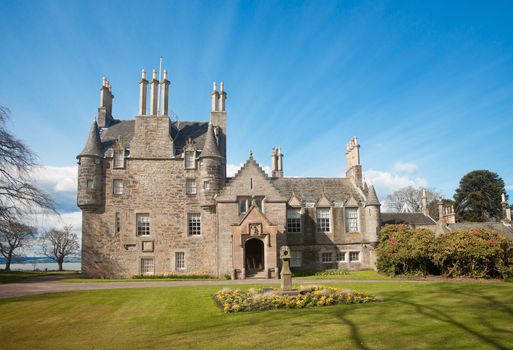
x: 387, y: 182
x: 60, y: 183
x: 509, y: 187
x: 408, y: 168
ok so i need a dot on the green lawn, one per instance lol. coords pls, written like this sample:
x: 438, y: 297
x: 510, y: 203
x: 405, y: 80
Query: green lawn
x: 414, y: 315
x: 15, y: 276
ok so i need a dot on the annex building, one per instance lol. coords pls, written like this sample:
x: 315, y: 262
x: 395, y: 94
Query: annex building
x: 156, y: 199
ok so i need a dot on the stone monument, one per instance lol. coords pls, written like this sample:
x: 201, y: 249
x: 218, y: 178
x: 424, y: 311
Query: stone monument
x: 286, y: 274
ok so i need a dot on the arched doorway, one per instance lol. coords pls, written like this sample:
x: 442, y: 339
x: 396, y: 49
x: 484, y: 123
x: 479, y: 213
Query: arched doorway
x: 254, y: 256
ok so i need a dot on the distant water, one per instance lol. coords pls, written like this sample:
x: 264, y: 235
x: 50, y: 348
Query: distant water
x: 73, y: 266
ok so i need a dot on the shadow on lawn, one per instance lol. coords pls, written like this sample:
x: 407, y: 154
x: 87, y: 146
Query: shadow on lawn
x: 440, y: 314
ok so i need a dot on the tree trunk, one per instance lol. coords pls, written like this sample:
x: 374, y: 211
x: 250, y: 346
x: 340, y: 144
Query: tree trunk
x: 60, y: 264
x: 8, y: 262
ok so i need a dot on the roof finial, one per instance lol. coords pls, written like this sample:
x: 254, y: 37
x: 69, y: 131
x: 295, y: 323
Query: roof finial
x: 251, y: 154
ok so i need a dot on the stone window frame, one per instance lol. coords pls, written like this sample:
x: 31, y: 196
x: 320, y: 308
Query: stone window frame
x: 293, y: 260
x: 357, y: 252
x: 180, y: 261
x: 193, y: 228
x: 118, y: 159
x: 299, y: 225
x: 247, y: 200
x: 137, y: 216
x: 187, y: 161
x: 117, y: 222
x: 318, y: 223
x: 191, y: 190
x: 116, y: 189
x: 90, y: 185
x: 356, y: 219
x: 146, y: 258
x: 325, y: 256
x: 340, y: 256
x: 172, y: 259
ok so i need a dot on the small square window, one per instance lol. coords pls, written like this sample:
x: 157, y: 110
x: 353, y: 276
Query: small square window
x: 179, y: 261
x: 119, y: 159
x: 194, y: 224
x: 143, y: 224
x: 190, y: 186
x: 206, y: 186
x: 341, y: 256
x: 296, y: 258
x: 147, y: 266
x: 117, y: 186
x: 327, y: 257
x: 354, y: 256
x: 190, y: 161
x: 90, y: 184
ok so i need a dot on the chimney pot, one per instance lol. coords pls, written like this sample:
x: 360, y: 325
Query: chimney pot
x: 143, y: 74
x: 154, y: 74
x: 165, y: 74
x: 221, y: 87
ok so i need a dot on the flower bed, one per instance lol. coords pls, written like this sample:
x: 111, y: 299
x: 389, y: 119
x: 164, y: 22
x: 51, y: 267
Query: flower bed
x: 229, y: 300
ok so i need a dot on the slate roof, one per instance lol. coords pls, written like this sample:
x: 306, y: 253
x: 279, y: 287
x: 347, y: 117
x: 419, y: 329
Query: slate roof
x: 497, y: 226
x: 406, y: 218
x: 312, y: 189
x: 210, y: 146
x: 93, y: 145
x: 181, y: 131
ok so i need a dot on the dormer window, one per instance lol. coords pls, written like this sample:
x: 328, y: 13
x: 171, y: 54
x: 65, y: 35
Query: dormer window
x: 119, y: 159
x: 190, y: 159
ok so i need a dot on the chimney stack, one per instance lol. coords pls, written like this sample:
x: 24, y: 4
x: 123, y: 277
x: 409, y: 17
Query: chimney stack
x: 164, y: 86
x: 425, y: 210
x: 222, y: 98
x: 354, y: 169
x: 274, y: 163
x: 105, y: 109
x: 143, y: 92
x: 154, y: 87
x: 507, y: 209
x: 279, y: 170
x: 215, y: 98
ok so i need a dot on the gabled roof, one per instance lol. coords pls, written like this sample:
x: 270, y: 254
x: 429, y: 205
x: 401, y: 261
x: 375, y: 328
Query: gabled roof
x: 93, y: 145
x: 312, y: 189
x: 406, y: 218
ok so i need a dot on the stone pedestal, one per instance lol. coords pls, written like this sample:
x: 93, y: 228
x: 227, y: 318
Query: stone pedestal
x: 286, y: 276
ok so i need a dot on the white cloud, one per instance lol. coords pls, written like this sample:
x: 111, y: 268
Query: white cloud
x: 407, y: 168
x: 56, y: 179
x: 387, y: 182
x: 231, y: 169
x: 509, y: 187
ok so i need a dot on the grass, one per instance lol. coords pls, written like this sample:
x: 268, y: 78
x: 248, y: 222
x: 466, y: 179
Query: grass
x: 419, y: 315
x: 16, y: 276
x: 356, y: 275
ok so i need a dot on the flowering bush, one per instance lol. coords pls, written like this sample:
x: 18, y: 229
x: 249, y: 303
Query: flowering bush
x: 267, y: 299
x: 468, y: 253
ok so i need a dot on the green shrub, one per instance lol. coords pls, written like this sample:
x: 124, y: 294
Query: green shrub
x: 475, y: 253
x: 403, y: 250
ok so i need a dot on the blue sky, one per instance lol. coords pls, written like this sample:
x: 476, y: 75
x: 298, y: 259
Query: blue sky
x: 427, y: 86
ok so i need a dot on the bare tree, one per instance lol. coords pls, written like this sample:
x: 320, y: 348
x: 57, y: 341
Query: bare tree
x: 13, y: 237
x: 58, y: 244
x: 17, y: 193
x: 411, y: 196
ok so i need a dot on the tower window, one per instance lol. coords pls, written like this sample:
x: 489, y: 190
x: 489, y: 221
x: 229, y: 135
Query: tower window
x: 190, y: 161
x: 194, y: 224
x: 117, y: 186
x: 119, y: 159
x: 294, y: 220
x: 323, y: 219
x: 90, y: 184
x: 351, y: 219
x: 117, y: 223
x: 190, y: 186
x: 143, y: 224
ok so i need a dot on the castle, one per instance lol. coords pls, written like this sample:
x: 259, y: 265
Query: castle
x: 155, y: 199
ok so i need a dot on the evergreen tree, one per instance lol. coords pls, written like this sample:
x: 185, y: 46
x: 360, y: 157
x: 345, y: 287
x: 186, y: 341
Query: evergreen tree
x: 478, y: 198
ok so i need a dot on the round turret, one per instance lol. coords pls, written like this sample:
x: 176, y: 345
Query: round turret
x: 90, y: 167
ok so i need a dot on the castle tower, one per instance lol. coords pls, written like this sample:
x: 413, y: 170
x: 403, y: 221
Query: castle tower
x: 90, y: 180
x: 105, y: 109
x: 373, y: 214
x: 354, y: 169
x: 211, y: 169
